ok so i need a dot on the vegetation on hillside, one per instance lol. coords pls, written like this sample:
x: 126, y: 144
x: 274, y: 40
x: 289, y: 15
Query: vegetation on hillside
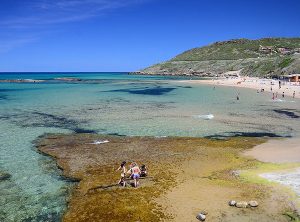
x: 262, y: 57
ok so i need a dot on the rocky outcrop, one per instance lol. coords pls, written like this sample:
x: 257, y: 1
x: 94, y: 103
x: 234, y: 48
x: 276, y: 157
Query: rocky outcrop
x: 232, y: 203
x: 4, y: 176
x: 201, y: 217
x: 253, y: 203
x: 21, y: 80
x: 242, y: 204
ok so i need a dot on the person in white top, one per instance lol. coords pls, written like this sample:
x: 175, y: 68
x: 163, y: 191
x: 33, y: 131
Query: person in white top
x: 122, y: 168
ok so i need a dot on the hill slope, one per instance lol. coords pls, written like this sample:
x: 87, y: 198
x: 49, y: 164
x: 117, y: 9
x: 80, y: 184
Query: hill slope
x: 262, y: 57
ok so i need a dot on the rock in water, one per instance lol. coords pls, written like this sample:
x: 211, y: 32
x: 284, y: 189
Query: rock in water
x: 232, y: 203
x: 253, y: 203
x: 241, y: 204
x: 4, y: 176
x: 201, y: 217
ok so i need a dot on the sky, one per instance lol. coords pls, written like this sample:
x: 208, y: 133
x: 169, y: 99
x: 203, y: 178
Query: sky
x: 128, y: 35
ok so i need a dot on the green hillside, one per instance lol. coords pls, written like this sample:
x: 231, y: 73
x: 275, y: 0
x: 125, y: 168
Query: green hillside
x: 262, y: 57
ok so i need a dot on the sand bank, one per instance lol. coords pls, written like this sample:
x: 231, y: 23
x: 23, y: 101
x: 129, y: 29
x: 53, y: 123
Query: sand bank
x: 277, y: 151
x: 253, y: 83
x: 281, y: 151
x: 186, y: 175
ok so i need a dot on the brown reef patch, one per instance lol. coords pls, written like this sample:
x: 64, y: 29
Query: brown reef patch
x: 186, y: 175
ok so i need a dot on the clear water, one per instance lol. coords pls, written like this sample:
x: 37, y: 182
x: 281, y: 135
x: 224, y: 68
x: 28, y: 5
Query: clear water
x: 121, y: 104
x: 290, y: 179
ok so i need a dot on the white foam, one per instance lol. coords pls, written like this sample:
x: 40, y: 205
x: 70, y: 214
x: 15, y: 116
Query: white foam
x: 206, y: 117
x: 97, y: 142
x: 290, y: 179
x: 279, y: 100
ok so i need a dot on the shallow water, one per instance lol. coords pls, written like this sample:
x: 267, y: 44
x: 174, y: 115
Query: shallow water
x: 289, y: 178
x: 119, y: 105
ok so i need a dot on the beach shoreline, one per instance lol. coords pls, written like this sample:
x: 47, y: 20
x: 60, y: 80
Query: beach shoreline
x: 187, y: 175
x: 252, y: 83
x: 280, y: 152
x: 277, y: 151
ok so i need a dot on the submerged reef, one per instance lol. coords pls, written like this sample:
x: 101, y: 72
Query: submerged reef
x: 4, y: 176
x: 153, y: 91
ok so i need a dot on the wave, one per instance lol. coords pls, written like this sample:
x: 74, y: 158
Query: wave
x: 290, y: 179
x: 206, y: 117
x: 97, y: 142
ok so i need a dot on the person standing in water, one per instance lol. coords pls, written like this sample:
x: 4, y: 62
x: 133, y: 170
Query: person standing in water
x: 294, y: 93
x: 273, y: 97
x: 282, y: 94
x: 279, y: 83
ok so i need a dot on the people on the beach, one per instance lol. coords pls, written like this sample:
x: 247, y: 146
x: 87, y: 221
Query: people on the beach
x: 294, y: 93
x: 134, y: 172
x: 279, y: 83
x: 282, y: 94
x: 122, y: 168
x: 143, y: 171
x: 273, y: 97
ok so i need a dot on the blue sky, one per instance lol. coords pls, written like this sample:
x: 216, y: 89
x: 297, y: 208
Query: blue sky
x: 126, y: 35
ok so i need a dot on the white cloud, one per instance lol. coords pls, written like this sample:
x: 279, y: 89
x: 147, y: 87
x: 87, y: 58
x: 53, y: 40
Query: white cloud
x: 46, y: 12
x: 39, y: 17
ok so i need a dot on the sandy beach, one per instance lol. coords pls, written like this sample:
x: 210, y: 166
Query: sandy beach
x: 186, y: 176
x: 280, y: 151
x: 277, y: 151
x: 268, y: 85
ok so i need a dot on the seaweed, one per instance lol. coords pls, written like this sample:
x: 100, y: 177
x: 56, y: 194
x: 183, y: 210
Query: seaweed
x: 287, y: 112
x: 154, y: 91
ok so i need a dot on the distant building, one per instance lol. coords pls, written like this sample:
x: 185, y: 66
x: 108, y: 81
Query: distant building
x: 292, y: 77
x: 285, y: 51
x: 297, y: 50
x: 280, y: 50
x: 232, y: 73
x: 266, y: 49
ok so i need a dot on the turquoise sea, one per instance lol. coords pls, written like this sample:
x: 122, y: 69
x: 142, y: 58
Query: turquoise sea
x: 117, y: 104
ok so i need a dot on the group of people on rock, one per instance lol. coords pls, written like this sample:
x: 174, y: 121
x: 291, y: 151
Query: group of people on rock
x: 134, y: 173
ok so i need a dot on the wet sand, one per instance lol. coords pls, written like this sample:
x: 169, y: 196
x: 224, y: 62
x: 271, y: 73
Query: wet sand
x: 277, y: 151
x: 186, y: 175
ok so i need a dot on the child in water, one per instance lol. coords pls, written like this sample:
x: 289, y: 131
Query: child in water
x: 122, y: 168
